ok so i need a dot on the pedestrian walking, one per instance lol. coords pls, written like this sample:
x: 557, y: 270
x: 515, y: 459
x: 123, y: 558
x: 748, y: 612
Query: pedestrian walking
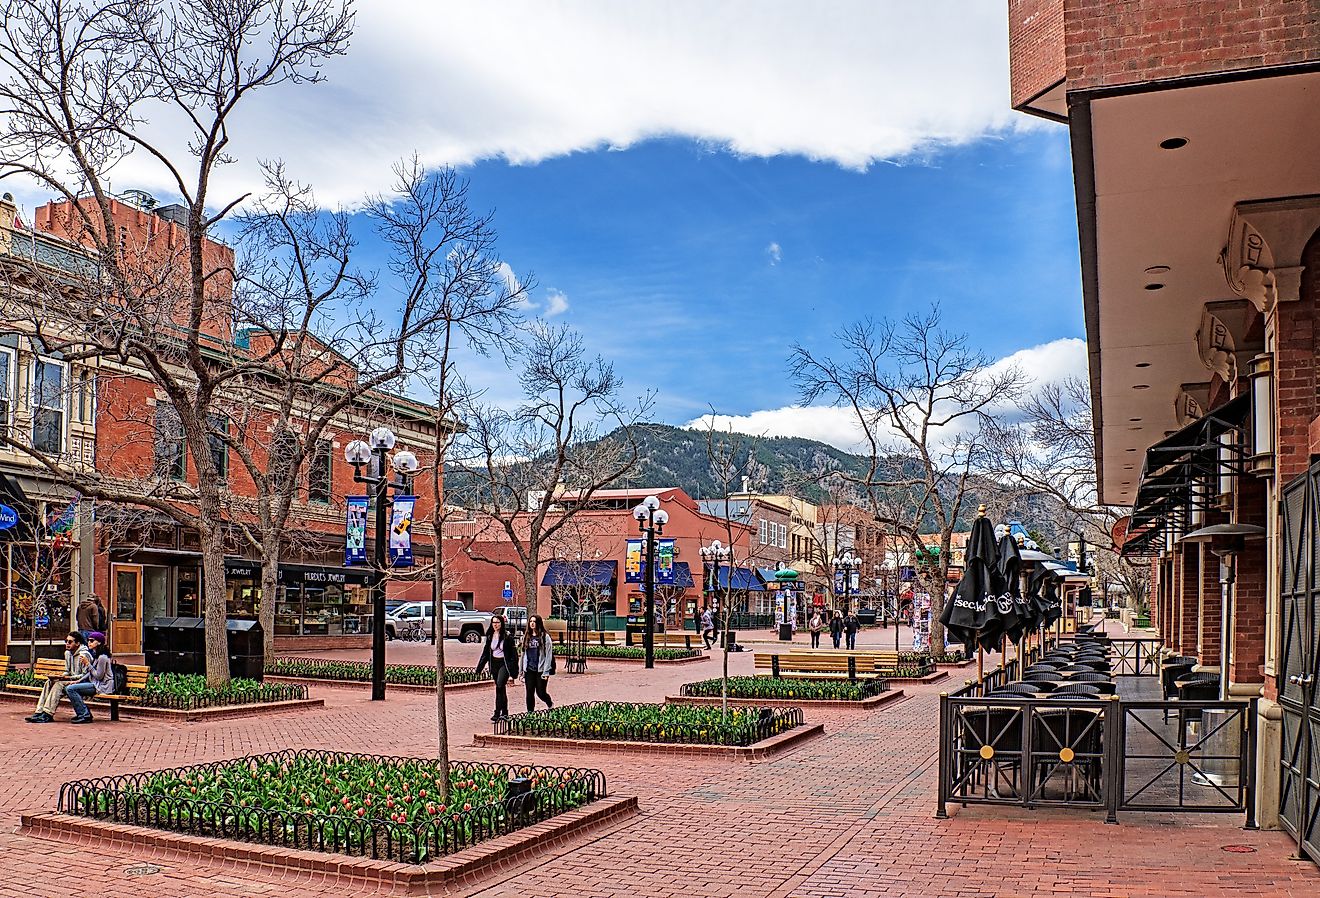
x: 538, y: 662
x: 708, y: 627
x: 851, y: 624
x: 817, y: 626
x: 501, y: 653
x: 836, y: 627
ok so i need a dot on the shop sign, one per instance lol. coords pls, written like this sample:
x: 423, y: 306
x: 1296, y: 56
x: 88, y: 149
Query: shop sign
x: 8, y: 517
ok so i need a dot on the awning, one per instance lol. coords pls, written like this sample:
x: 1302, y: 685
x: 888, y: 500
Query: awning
x: 740, y: 578
x: 580, y: 573
x: 1173, y: 465
x: 682, y: 575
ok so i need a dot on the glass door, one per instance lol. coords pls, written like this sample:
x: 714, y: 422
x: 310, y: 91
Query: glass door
x: 126, y: 606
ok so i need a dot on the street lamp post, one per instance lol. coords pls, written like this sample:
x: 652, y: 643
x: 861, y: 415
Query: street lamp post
x: 359, y: 453
x: 651, y: 520
x: 715, y: 554
x: 847, y: 564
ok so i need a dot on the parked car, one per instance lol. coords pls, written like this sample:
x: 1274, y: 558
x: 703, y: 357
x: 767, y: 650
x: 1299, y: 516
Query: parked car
x: 469, y: 626
x: 515, y: 616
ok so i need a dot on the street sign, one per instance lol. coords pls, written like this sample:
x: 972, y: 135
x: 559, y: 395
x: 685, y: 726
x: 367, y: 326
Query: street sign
x: 507, y: 593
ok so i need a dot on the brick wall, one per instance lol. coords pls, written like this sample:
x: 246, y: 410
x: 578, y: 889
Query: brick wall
x: 1296, y: 350
x: 1188, y: 597
x: 1211, y: 611
x: 1116, y: 42
x: 1249, y: 619
x: 1035, y: 47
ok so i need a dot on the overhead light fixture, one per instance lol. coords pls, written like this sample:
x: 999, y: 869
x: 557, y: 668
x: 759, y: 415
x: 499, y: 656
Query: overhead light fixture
x: 1141, y: 386
x: 1262, y: 412
x: 1173, y: 143
x: 1214, y: 531
x: 1158, y: 269
x: 1143, y: 364
x: 1131, y: 450
x: 1134, y: 420
x: 1154, y: 286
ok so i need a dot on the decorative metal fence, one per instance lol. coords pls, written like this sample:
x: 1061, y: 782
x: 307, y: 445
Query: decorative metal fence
x: 124, y: 799
x: 360, y: 671
x: 1097, y: 753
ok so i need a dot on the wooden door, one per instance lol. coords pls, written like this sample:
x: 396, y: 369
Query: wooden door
x: 126, y: 609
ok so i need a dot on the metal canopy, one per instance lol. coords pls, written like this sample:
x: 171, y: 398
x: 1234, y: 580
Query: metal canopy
x: 1172, y: 466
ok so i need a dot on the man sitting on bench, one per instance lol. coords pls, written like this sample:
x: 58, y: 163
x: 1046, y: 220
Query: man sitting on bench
x: 99, y: 679
x: 77, y: 660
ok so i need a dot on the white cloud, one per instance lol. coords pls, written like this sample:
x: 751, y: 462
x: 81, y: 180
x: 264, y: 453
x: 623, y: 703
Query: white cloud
x: 556, y: 303
x: 851, y: 82
x: 775, y: 252
x: 1047, y: 363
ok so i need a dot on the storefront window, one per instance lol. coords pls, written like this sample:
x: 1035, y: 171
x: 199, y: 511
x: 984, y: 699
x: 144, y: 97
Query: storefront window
x: 243, y: 597
x: 39, y: 591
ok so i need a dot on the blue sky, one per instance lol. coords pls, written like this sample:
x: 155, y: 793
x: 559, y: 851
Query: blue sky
x: 713, y: 264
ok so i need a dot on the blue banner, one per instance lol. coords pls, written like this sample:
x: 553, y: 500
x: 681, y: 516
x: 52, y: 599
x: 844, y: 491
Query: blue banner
x: 838, y: 582
x: 664, y: 561
x: 355, y: 530
x: 401, y: 554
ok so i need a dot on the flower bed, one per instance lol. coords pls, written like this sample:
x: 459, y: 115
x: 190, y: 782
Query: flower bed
x: 637, y: 653
x: 634, y: 722
x: 360, y: 671
x: 914, y: 664
x: 189, y: 692
x: 379, y: 807
x: 953, y: 656
x: 798, y: 690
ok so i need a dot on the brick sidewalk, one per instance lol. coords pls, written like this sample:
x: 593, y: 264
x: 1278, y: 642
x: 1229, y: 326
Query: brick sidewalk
x: 849, y: 814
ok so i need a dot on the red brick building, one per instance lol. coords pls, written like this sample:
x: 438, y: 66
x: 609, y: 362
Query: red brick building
x: 1192, y: 125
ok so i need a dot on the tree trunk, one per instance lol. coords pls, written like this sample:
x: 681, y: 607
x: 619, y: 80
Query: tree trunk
x: 529, y: 587
x: 214, y: 609
x: 270, y: 573
x: 938, y: 593
x: 438, y: 595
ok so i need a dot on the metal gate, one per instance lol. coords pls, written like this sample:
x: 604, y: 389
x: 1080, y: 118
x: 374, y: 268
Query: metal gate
x: 1299, y: 655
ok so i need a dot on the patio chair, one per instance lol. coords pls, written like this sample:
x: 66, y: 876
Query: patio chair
x: 1019, y: 689
x: 1000, y: 729
x: 1072, y: 739
x: 1081, y: 689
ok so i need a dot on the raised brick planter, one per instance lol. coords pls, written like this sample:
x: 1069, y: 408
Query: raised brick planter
x: 764, y: 749
x: 867, y: 704
x: 455, y: 872
x: 389, y: 687
x: 225, y: 712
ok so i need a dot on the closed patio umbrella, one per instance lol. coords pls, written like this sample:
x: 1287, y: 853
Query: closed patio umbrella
x: 973, y: 614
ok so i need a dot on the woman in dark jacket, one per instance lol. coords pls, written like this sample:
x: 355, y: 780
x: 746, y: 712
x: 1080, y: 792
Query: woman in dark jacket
x: 501, y: 653
x: 836, y: 627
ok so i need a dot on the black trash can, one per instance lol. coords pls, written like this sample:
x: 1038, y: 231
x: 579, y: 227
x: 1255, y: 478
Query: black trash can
x: 785, y: 632
x: 733, y: 637
x: 246, y: 649
x: 175, y: 645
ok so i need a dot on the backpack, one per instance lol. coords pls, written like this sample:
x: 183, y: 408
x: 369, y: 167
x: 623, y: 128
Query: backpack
x: 120, y: 674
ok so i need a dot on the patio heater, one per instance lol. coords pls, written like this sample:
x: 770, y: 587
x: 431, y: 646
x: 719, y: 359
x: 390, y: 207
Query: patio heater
x: 1225, y: 541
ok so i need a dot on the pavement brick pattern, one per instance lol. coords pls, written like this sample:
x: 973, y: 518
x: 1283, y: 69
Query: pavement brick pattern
x: 848, y: 814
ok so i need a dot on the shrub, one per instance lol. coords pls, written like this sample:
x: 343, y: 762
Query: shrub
x: 799, y: 690
x: 632, y: 651
x: 360, y: 671
x: 189, y: 692
x: 632, y: 722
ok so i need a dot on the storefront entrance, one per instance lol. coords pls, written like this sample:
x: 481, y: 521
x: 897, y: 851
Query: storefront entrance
x: 1299, y: 663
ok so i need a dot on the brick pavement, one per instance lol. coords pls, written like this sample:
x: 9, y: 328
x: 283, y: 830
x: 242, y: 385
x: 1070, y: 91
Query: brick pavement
x: 847, y: 814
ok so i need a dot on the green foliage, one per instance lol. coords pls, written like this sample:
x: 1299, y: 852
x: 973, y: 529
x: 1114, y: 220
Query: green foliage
x: 360, y: 671
x: 20, y: 678
x: 632, y: 651
x: 800, y: 690
x: 627, y: 721
x: 189, y: 691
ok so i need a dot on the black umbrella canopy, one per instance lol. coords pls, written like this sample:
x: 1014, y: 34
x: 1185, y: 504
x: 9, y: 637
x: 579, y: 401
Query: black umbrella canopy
x: 1020, y: 616
x: 973, y: 612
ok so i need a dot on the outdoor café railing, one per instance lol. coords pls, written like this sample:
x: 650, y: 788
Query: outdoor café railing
x: 1097, y: 753
x: 1129, y: 657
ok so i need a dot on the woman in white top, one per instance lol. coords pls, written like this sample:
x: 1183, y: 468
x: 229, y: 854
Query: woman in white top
x: 501, y: 653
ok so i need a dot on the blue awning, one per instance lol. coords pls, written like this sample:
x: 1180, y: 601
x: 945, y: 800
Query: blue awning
x: 740, y: 578
x: 766, y: 575
x: 579, y: 573
x: 682, y: 575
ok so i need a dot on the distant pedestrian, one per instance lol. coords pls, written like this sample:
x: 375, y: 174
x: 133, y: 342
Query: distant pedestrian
x: 88, y: 617
x: 816, y: 625
x: 538, y: 662
x: 501, y: 653
x: 708, y: 627
x: 836, y: 627
x: 851, y: 624
x: 102, y: 616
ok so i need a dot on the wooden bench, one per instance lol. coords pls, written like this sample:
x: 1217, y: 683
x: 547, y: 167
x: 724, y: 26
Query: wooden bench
x: 54, y: 667
x: 4, y: 665
x: 819, y: 665
x: 886, y: 661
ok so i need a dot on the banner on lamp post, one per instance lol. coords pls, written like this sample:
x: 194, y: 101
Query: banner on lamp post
x: 838, y: 582
x: 401, y: 554
x: 355, y: 530
x: 632, y: 562
x: 664, y: 561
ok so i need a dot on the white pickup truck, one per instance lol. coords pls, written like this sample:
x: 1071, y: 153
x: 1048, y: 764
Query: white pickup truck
x: 459, y: 622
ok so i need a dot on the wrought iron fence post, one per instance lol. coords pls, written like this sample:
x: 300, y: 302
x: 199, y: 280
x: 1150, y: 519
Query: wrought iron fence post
x: 1112, y: 779
x: 1028, y: 778
x: 945, y: 753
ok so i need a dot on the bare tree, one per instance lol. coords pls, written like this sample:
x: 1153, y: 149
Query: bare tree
x: 537, y: 466
x: 77, y: 84
x: 921, y: 397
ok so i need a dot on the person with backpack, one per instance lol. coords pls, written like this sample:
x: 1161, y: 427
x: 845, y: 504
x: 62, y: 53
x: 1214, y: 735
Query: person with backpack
x: 538, y: 662
x: 98, y: 680
x: 501, y: 653
x: 77, y: 660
